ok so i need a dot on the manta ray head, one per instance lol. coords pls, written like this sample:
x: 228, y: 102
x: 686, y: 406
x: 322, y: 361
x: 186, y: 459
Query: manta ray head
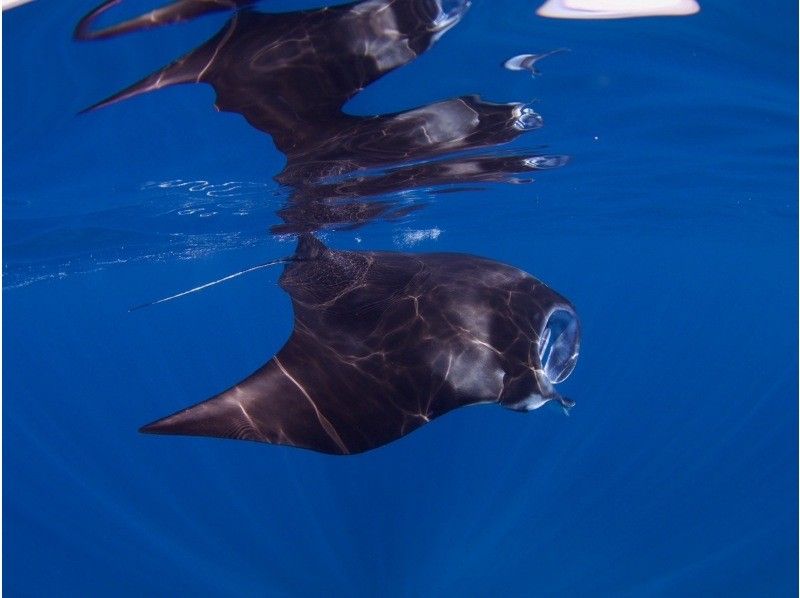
x: 556, y: 354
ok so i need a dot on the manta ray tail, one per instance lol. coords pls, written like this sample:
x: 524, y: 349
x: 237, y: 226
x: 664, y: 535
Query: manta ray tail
x: 213, y: 283
x: 308, y: 248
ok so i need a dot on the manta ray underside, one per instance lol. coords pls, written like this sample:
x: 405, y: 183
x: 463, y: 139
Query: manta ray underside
x: 385, y: 342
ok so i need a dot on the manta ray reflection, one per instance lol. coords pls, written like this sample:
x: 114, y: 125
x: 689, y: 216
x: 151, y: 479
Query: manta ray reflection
x: 290, y: 74
x: 382, y: 342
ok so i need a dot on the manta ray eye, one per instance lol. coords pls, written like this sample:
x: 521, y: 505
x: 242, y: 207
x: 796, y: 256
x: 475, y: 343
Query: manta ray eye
x: 559, y: 344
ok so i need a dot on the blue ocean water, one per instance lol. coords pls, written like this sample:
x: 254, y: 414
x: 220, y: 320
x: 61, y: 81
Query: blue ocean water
x: 672, y: 229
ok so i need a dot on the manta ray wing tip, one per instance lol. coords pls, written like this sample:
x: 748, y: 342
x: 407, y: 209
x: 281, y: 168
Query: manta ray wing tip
x: 155, y: 427
x: 96, y: 106
x: 182, y: 423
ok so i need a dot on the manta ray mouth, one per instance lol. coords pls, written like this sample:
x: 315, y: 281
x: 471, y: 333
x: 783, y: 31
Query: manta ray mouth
x: 535, y: 401
x: 450, y: 13
x: 559, y: 344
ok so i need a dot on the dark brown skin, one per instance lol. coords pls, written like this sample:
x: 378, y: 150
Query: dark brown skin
x: 290, y: 74
x: 176, y: 12
x: 382, y: 344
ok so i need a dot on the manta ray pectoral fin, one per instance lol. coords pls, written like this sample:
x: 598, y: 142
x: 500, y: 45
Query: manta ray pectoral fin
x: 268, y: 406
x: 181, y: 71
x: 188, y: 69
x: 216, y: 417
x: 176, y: 12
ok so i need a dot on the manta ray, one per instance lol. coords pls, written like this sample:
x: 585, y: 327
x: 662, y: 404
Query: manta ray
x: 291, y: 74
x: 385, y: 342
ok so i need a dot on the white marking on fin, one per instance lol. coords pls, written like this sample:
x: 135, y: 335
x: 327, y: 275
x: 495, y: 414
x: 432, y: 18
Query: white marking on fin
x: 323, y: 421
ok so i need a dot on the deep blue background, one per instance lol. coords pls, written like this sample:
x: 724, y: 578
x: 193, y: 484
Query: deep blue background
x: 673, y: 230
